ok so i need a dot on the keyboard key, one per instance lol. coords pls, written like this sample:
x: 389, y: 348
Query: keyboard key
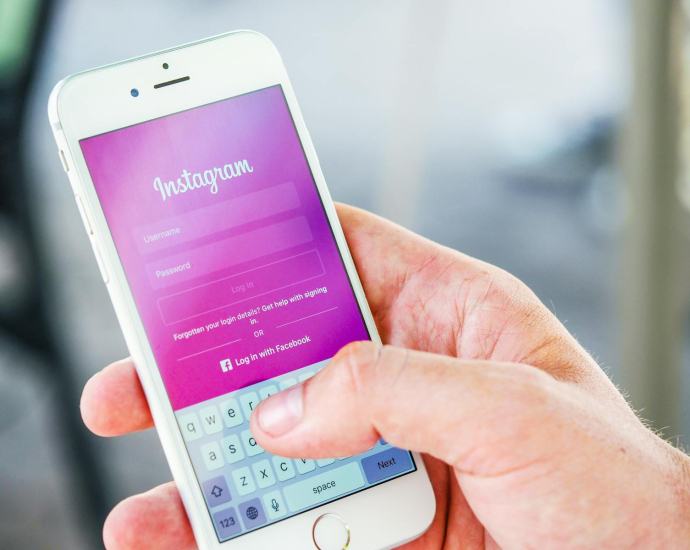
x: 304, y: 465
x: 250, y: 444
x: 285, y: 384
x: 210, y: 418
x: 232, y: 448
x: 191, y: 429
x: 387, y: 464
x: 331, y: 484
x: 263, y: 474
x: 227, y: 523
x: 216, y: 491
x: 306, y: 376
x: 284, y: 468
x: 274, y: 505
x: 267, y: 391
x: 231, y: 413
x: 325, y: 462
x: 243, y: 481
x: 212, y: 456
x: 249, y: 401
x: 252, y: 513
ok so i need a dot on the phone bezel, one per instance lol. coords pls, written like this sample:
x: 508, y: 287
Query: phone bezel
x: 99, y: 101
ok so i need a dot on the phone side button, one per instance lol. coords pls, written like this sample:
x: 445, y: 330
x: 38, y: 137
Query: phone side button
x: 82, y: 213
x: 101, y: 265
x: 63, y: 158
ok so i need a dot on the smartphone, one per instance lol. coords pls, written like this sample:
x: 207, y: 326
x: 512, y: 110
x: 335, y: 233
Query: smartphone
x: 215, y: 234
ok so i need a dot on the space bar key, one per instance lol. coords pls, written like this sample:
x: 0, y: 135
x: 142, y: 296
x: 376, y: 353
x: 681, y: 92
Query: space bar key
x: 323, y: 487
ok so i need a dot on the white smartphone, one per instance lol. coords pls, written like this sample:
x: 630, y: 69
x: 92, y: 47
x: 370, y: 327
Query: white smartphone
x: 220, y: 247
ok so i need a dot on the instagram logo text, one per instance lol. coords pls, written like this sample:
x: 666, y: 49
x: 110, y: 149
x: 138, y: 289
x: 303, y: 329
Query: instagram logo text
x: 209, y: 178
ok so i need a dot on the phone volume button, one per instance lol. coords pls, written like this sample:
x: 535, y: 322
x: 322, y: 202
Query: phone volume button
x: 63, y: 158
x: 101, y: 265
x: 84, y: 217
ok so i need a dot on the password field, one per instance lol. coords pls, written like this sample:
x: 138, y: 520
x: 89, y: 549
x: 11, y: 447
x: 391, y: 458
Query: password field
x: 241, y: 287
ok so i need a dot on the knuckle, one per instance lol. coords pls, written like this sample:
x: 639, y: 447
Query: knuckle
x: 360, y: 359
x: 359, y: 352
x: 371, y: 366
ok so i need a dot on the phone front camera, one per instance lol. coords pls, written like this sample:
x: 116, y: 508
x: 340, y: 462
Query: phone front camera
x: 135, y: 92
x: 166, y: 66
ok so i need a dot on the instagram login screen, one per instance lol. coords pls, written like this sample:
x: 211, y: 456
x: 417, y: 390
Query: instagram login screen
x: 241, y: 290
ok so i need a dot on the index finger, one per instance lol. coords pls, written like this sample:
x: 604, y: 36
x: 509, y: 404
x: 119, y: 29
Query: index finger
x: 113, y: 402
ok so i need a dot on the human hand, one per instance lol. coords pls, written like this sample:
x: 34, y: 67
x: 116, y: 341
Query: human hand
x: 527, y: 442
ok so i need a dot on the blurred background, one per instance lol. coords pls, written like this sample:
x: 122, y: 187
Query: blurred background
x: 546, y: 137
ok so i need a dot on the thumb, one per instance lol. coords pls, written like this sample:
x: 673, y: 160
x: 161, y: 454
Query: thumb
x: 417, y: 401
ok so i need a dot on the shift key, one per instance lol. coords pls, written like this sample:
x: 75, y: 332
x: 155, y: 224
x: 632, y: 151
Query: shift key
x: 326, y: 486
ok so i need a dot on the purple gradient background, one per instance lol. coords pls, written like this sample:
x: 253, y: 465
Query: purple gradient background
x: 257, y: 127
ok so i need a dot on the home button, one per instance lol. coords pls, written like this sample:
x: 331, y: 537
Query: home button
x: 331, y: 533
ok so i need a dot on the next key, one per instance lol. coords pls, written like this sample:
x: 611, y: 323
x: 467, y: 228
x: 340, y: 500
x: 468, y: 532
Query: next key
x: 388, y: 463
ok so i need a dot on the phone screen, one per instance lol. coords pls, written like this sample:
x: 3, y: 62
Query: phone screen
x: 242, y: 292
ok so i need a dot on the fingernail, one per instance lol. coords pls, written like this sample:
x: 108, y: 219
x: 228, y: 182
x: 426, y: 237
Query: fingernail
x: 281, y: 412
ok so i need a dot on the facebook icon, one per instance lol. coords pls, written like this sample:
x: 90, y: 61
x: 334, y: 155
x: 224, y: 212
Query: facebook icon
x: 226, y: 365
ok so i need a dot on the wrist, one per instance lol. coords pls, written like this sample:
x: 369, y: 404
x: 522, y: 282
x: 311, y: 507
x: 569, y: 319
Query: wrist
x: 662, y: 518
x: 685, y: 495
x: 679, y: 534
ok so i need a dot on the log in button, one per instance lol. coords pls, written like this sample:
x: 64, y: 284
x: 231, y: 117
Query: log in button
x: 389, y: 463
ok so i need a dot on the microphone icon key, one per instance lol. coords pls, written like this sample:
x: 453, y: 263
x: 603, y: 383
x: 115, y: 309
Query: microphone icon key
x: 275, y: 505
